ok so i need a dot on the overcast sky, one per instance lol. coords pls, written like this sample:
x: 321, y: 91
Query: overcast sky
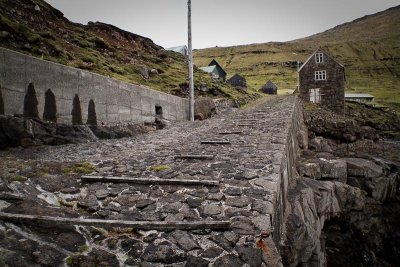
x: 221, y: 22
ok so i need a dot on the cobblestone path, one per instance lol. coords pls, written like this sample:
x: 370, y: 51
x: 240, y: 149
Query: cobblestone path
x: 242, y: 151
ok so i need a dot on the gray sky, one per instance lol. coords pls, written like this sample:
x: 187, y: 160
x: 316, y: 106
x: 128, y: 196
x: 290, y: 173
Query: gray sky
x: 221, y: 22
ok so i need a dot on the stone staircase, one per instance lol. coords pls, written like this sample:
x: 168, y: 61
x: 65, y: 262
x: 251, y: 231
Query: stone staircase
x: 198, y: 194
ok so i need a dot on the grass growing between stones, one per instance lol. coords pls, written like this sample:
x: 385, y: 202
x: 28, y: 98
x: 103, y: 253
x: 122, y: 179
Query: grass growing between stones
x: 160, y: 168
x: 80, y: 168
x: 16, y: 178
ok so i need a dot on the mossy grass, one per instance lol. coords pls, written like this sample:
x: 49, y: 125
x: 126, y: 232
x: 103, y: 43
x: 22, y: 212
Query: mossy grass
x: 80, y: 168
x: 159, y: 168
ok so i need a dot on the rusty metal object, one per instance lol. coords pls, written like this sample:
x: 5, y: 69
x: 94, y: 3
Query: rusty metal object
x: 261, y: 244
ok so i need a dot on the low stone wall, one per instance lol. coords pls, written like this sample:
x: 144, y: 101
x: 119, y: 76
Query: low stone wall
x: 115, y: 102
x: 296, y: 137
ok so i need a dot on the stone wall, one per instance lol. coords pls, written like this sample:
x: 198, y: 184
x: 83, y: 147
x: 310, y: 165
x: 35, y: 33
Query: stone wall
x: 115, y: 102
x: 296, y: 138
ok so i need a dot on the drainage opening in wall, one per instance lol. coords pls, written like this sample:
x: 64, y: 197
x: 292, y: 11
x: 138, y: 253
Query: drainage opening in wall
x: 1, y: 103
x: 92, y: 117
x: 76, y: 111
x: 50, y: 107
x: 159, y: 111
x: 31, y: 103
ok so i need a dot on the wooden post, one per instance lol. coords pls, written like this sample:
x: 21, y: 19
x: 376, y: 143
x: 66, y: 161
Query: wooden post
x: 191, y: 86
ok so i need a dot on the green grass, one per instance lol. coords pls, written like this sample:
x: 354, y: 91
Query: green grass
x: 81, y: 168
x: 97, y: 50
x: 160, y: 168
x: 17, y: 178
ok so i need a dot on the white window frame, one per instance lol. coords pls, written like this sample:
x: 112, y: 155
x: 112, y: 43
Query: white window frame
x: 315, y: 95
x: 215, y: 76
x: 319, y: 57
x: 320, y: 75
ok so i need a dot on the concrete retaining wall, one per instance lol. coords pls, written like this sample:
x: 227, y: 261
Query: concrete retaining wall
x: 116, y: 102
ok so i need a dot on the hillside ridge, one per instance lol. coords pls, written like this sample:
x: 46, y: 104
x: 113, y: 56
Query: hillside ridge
x: 35, y: 28
x: 371, y: 58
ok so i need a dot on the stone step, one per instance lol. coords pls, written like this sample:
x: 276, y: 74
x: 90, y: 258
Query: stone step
x: 240, y: 125
x: 138, y: 225
x: 216, y: 142
x: 231, y: 132
x: 199, y: 157
x: 147, y: 181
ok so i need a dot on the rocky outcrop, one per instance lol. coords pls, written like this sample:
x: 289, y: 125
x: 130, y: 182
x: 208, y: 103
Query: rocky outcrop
x: 205, y: 107
x: 341, y: 208
x: 19, y: 131
x: 312, y: 203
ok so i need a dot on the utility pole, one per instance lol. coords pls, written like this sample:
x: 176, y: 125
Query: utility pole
x: 191, y: 86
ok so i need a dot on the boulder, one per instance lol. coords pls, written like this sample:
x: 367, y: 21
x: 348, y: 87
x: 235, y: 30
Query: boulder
x: 311, y: 170
x: 144, y: 71
x: 363, y: 168
x: 333, y: 169
x: 205, y: 106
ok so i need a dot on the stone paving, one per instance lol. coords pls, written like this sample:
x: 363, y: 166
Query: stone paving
x: 247, y: 165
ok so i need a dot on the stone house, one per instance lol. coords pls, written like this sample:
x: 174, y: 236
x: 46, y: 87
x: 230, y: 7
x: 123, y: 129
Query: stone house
x: 269, y: 88
x: 322, y: 81
x: 215, y: 70
x: 237, y: 81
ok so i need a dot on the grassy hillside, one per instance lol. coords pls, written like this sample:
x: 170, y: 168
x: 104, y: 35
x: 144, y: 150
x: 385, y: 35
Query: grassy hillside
x: 369, y: 48
x: 34, y: 27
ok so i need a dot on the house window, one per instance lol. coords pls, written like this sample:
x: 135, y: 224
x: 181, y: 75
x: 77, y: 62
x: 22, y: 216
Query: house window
x: 319, y: 57
x: 320, y: 75
x: 315, y: 95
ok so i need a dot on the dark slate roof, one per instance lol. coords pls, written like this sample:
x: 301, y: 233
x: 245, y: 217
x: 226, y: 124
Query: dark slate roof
x: 269, y: 84
x: 220, y: 69
x: 236, y: 76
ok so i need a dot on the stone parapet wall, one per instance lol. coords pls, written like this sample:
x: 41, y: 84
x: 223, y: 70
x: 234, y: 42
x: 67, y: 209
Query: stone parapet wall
x: 116, y: 102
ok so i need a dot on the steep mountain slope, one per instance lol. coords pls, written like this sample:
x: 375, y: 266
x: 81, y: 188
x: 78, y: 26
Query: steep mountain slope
x: 34, y: 27
x: 369, y: 48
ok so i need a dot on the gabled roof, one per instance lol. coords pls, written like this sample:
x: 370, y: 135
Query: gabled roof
x: 236, y: 76
x: 177, y: 48
x: 269, y: 84
x: 313, y: 54
x: 214, y: 62
x: 208, y: 69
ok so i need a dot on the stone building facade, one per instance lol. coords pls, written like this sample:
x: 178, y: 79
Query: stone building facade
x: 322, y: 81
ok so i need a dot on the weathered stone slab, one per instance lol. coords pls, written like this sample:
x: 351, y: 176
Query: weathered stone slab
x: 148, y: 181
x: 144, y: 225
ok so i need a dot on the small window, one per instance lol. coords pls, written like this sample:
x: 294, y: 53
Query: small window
x: 319, y: 57
x: 215, y: 76
x: 320, y: 75
x: 159, y: 111
x: 315, y: 95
